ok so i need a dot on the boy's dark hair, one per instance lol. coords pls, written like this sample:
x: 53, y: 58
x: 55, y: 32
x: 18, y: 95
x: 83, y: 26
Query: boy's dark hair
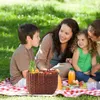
x: 25, y: 30
x: 95, y: 28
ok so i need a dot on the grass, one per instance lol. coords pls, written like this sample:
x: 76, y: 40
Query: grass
x: 48, y: 98
x: 46, y: 15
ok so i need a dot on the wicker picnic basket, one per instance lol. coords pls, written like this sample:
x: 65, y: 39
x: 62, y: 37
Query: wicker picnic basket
x: 44, y: 82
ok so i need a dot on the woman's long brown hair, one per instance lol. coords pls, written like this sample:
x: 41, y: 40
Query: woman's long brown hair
x: 56, y: 42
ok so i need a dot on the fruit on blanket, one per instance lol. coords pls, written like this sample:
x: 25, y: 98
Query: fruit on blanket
x: 36, y: 71
x: 75, y: 82
x: 81, y: 83
x: 84, y: 85
x: 67, y: 88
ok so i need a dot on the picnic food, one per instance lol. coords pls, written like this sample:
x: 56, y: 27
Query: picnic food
x: 41, y: 82
x: 75, y: 82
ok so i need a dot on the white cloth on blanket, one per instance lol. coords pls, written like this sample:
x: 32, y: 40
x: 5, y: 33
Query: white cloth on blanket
x: 21, y: 83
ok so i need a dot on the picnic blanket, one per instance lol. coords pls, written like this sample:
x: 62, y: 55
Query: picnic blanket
x: 7, y: 89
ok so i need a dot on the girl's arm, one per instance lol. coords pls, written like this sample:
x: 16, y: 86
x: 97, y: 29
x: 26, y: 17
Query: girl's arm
x: 75, y: 60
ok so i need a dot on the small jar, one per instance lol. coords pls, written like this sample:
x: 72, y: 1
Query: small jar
x: 71, y: 76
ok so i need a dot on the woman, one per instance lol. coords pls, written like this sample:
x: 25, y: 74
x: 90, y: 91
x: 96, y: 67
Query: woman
x: 94, y: 34
x: 56, y: 47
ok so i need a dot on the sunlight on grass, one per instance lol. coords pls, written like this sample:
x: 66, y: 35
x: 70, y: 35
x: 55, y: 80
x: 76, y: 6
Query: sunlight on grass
x: 7, y: 49
x: 81, y: 6
x: 11, y: 2
x: 4, y: 29
x: 4, y: 34
x: 48, y: 98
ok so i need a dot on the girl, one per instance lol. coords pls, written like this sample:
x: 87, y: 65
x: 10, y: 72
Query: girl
x: 84, y: 58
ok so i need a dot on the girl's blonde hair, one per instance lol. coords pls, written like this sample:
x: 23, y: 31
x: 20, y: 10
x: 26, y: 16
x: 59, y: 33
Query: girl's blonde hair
x: 92, y: 46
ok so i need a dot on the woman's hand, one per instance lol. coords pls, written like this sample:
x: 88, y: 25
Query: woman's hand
x: 69, y: 60
x: 42, y: 68
x: 87, y: 73
x: 95, y: 69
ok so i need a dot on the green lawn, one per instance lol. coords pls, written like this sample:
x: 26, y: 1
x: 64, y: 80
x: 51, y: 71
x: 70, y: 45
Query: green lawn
x: 45, y: 14
x: 48, y: 98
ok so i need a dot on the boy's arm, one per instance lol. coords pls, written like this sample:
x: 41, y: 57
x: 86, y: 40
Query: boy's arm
x: 24, y: 73
x: 75, y: 60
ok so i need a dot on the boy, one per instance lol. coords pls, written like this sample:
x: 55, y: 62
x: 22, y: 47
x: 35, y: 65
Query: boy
x: 29, y: 36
